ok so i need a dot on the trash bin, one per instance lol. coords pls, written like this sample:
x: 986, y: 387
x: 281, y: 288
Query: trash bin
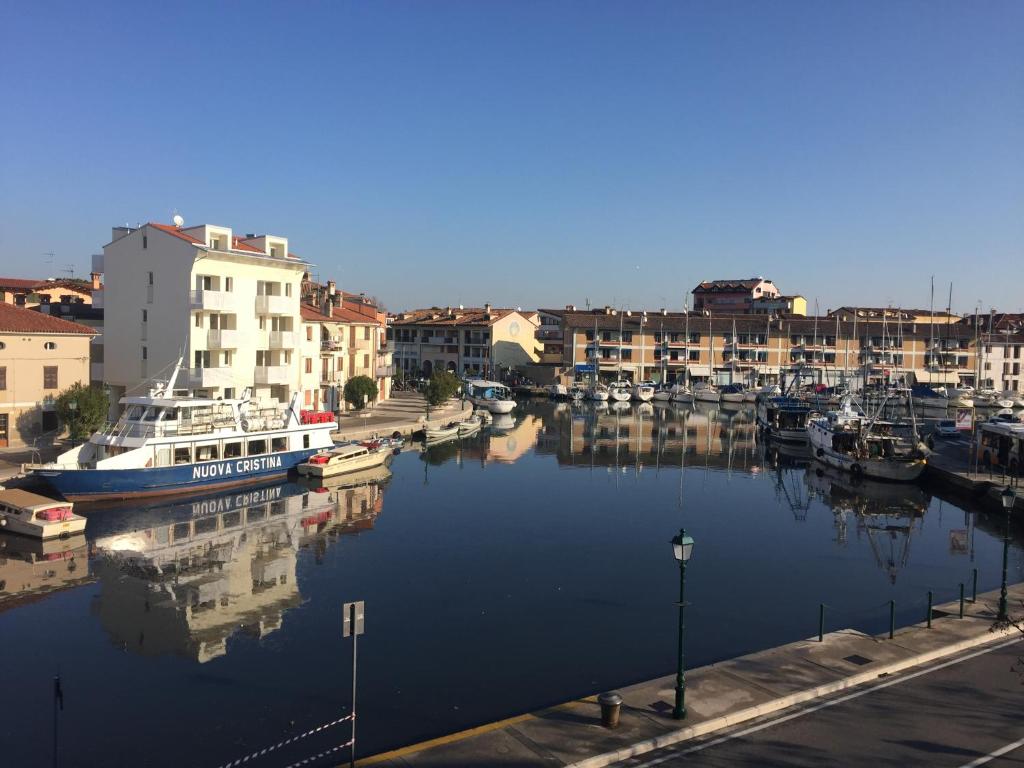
x: 611, y: 704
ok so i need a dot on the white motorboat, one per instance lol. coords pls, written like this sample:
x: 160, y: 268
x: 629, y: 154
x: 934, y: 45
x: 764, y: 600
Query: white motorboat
x: 598, y: 392
x: 470, y: 425
x: 495, y: 397
x: 1003, y: 402
x: 576, y: 394
x: 644, y: 391
x: 342, y: 460
x: 446, y: 432
x: 620, y: 391
x: 1014, y: 397
x: 558, y: 391
x: 38, y: 516
x: 849, y: 440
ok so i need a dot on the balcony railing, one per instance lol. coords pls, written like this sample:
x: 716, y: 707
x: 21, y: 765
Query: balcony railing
x: 272, y: 374
x: 274, y: 305
x: 332, y: 345
x: 384, y: 370
x: 211, y: 377
x: 214, y: 301
x: 281, y: 340
x: 221, y: 338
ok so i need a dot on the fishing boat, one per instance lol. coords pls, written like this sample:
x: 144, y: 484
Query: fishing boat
x: 495, y: 397
x: 342, y: 460
x: 446, y: 432
x: 643, y: 391
x: 865, y: 447
x: 620, y: 391
x: 783, y: 418
x: 168, y: 441
x: 470, y: 425
x: 30, y: 514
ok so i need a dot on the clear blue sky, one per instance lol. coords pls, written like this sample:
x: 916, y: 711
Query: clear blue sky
x: 534, y: 153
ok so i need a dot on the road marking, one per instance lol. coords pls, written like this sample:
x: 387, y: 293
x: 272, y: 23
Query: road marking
x: 778, y: 721
x: 993, y: 755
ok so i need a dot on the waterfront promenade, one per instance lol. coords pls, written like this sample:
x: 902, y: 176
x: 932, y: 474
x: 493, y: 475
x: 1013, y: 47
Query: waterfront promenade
x: 404, y: 412
x: 721, y: 696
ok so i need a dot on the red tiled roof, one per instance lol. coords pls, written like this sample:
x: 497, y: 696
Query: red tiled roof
x: 170, y: 229
x: 18, y: 283
x: 17, y: 320
x: 340, y: 315
x: 238, y: 245
x: 453, y: 317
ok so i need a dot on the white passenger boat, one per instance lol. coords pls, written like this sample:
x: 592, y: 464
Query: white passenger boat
x: 643, y: 391
x: 342, y: 460
x: 620, y: 391
x: 495, y: 397
x: 38, y: 516
x: 171, y: 442
x: 598, y: 392
x: 849, y: 440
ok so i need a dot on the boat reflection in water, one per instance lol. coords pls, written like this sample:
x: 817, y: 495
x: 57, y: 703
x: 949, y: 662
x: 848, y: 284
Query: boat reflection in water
x: 201, y: 571
x: 32, y: 568
x: 887, y: 514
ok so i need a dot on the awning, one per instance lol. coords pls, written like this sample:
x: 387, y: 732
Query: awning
x: 936, y: 377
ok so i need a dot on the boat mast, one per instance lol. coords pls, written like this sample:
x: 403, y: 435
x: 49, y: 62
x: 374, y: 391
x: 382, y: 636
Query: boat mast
x: 931, y: 330
x: 686, y: 334
x: 621, y: 315
x: 711, y: 353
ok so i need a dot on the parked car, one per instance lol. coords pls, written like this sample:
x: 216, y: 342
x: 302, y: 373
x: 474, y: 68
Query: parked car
x: 946, y: 428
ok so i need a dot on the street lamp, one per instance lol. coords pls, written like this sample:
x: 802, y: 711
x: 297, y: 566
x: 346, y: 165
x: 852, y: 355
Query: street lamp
x: 1008, y: 496
x: 682, y: 547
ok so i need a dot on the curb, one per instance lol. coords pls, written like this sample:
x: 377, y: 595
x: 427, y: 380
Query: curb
x: 735, y: 718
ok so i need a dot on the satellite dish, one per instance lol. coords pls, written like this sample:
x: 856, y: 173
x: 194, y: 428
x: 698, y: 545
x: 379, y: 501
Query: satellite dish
x: 178, y: 220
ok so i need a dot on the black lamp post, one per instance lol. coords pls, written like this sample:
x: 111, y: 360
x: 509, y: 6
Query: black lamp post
x: 682, y: 547
x: 1008, y: 496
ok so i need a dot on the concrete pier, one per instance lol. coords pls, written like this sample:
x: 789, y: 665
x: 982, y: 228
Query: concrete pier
x: 718, y: 696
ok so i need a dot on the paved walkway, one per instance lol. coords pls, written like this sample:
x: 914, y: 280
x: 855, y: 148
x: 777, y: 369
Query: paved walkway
x: 951, y: 462
x: 718, y: 696
x: 405, y: 412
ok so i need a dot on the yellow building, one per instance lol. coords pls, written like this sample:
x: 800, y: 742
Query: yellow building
x: 31, y: 293
x: 40, y: 355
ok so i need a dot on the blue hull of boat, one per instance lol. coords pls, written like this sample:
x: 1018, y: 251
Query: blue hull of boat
x: 102, y: 484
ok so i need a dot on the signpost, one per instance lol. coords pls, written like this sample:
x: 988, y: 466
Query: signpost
x: 964, y: 419
x: 352, y: 625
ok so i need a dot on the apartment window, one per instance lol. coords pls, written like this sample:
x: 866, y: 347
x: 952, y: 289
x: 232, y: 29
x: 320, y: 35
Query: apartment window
x: 145, y: 316
x: 149, y: 277
x: 287, y: 289
x: 606, y: 336
x: 366, y: 333
x: 695, y: 338
x: 673, y: 354
x: 627, y: 337
x: 145, y: 242
x: 263, y: 323
x: 694, y: 355
x: 50, y: 346
x: 3, y: 377
x: 366, y: 361
x: 657, y: 338
x: 202, y: 358
x: 49, y: 377
x: 309, y: 365
x: 657, y: 353
x: 627, y: 354
x: 199, y: 320
x: 229, y: 284
x: 589, y: 335
x: 145, y: 353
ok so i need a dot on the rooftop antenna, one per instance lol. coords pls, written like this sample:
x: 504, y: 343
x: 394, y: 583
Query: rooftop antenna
x: 49, y: 257
x: 69, y: 269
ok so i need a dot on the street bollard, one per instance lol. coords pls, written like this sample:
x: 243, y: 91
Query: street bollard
x: 961, y: 599
x: 892, y: 619
x: 611, y: 704
x: 929, y: 609
x: 821, y: 622
x: 974, y: 589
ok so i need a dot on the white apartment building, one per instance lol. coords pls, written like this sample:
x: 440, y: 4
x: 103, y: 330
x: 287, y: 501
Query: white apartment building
x: 227, y: 304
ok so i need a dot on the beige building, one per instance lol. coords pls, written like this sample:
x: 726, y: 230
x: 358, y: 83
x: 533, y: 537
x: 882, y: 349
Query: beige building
x: 481, y: 341
x: 664, y: 346
x: 31, y: 293
x: 39, y: 356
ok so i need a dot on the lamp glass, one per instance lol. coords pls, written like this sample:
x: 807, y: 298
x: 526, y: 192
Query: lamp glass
x: 682, y: 548
x: 1008, y: 496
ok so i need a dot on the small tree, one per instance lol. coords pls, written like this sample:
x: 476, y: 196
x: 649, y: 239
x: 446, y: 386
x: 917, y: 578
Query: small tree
x: 442, y: 385
x: 82, y: 409
x: 358, y: 390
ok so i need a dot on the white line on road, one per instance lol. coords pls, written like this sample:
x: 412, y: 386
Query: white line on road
x: 993, y: 755
x: 778, y: 721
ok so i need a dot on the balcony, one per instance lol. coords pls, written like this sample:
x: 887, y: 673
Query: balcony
x: 213, y: 301
x: 281, y: 340
x: 274, y: 305
x: 221, y: 339
x: 272, y: 374
x: 384, y: 370
x: 332, y: 345
x: 211, y: 377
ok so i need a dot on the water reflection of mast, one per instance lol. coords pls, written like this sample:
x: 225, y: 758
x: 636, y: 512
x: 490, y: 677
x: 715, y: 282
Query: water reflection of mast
x: 892, y: 532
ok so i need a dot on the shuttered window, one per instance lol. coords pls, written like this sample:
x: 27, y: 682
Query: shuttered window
x: 49, y: 377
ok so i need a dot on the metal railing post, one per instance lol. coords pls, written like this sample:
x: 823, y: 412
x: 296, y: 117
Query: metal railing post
x: 821, y: 622
x: 929, y: 609
x: 961, y: 599
x: 892, y: 619
x: 974, y: 589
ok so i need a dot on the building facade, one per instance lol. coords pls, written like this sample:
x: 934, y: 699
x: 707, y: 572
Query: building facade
x: 665, y: 346
x: 477, y: 341
x: 40, y: 355
x: 227, y: 304
x: 31, y: 293
x: 731, y: 297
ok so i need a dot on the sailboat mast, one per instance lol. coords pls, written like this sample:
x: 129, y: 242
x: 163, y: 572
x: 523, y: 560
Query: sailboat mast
x: 621, y: 317
x: 686, y: 333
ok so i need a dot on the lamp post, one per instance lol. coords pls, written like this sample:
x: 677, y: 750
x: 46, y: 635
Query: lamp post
x: 73, y: 407
x: 1008, y: 496
x: 682, y: 546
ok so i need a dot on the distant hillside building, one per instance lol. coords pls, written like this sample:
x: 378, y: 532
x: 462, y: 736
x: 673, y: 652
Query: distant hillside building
x: 732, y: 297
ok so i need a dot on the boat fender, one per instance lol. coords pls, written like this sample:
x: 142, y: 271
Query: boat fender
x: 856, y: 470
x: 3, y: 522
x: 245, y: 424
x: 820, y: 452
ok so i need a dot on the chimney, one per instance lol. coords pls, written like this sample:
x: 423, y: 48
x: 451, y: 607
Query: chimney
x: 95, y: 277
x: 331, y: 287
x: 487, y: 308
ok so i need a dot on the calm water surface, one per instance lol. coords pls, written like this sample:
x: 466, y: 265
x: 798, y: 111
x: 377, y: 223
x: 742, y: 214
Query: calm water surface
x: 518, y: 569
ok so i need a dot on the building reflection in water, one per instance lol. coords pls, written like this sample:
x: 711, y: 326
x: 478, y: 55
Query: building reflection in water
x: 212, y: 567
x: 31, y: 569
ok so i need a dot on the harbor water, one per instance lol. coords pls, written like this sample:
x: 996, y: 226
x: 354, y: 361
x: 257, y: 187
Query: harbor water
x: 522, y: 567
